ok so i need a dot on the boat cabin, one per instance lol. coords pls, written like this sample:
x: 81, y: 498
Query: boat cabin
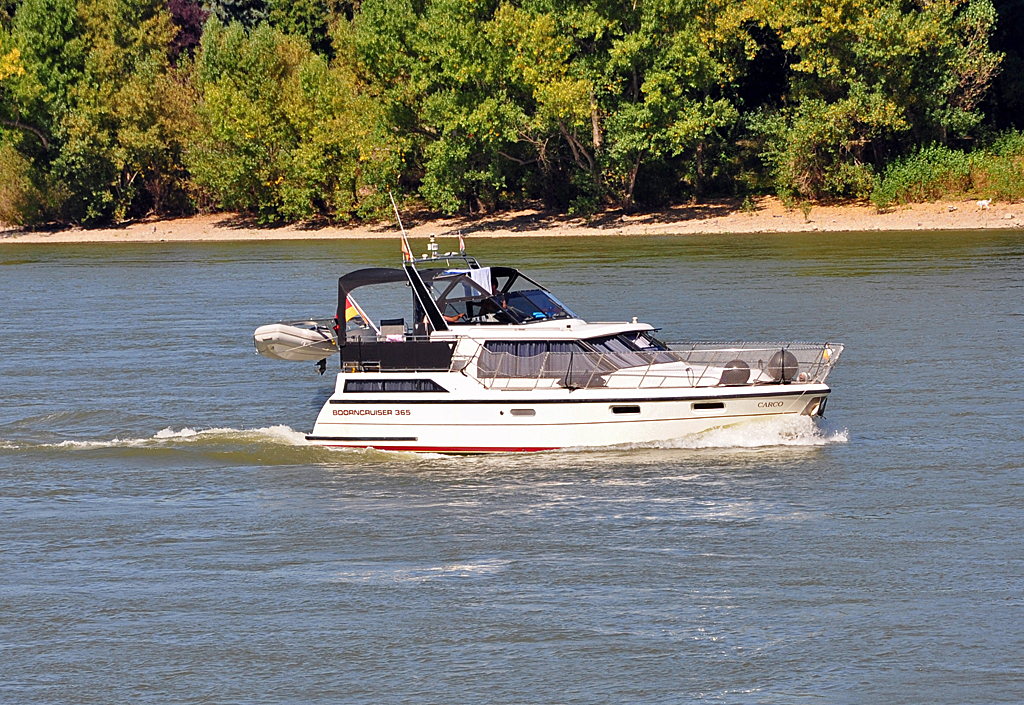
x: 508, y: 318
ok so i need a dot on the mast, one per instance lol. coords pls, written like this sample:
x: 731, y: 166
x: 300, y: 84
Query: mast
x: 419, y: 289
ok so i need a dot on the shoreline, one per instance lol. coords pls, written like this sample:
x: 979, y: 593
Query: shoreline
x: 709, y: 218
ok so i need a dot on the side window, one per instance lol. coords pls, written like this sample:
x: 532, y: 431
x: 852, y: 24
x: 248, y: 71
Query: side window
x: 611, y: 344
x: 530, y: 348
x: 645, y: 341
x: 622, y: 351
x: 355, y: 386
x: 528, y: 358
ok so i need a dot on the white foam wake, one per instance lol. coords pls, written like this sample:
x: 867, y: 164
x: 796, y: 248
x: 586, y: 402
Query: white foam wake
x: 281, y: 435
x: 778, y: 431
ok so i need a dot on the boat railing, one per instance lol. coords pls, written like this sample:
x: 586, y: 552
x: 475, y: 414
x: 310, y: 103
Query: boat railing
x: 688, y: 365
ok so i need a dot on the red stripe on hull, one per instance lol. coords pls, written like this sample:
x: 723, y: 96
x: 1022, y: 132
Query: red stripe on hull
x: 438, y: 449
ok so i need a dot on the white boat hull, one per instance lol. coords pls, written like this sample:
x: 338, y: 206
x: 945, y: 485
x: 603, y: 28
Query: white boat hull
x: 472, y: 419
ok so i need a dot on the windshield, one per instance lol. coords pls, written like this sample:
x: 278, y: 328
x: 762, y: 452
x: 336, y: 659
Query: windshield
x: 531, y: 305
x: 515, y: 308
x: 493, y: 295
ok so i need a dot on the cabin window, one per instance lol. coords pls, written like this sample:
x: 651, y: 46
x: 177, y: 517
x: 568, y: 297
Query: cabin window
x: 356, y: 386
x: 643, y: 340
x: 708, y: 405
x: 619, y: 352
x: 627, y: 342
x: 611, y: 344
x: 630, y: 409
x: 530, y: 358
x: 635, y: 349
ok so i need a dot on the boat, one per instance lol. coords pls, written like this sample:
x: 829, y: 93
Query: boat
x: 299, y: 341
x: 490, y: 361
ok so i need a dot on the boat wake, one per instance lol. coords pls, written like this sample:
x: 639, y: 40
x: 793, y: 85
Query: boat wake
x: 780, y: 431
x: 280, y: 435
x: 282, y: 444
x: 271, y: 445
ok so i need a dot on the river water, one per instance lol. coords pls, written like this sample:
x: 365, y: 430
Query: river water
x: 165, y: 536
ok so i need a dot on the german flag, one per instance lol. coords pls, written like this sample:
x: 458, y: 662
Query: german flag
x: 350, y: 310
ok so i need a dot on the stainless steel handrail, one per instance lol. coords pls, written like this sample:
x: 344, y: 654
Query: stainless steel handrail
x: 683, y: 365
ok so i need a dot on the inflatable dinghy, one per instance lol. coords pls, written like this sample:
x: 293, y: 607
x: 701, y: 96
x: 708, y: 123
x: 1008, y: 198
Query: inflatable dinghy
x: 302, y: 341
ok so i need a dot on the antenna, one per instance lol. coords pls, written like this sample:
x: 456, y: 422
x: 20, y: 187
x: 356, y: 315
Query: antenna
x: 406, y: 250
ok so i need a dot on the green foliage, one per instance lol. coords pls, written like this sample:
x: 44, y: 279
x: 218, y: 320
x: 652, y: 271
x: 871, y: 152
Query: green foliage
x: 869, y: 75
x: 1008, y: 144
x: 247, y: 12
x: 315, y: 108
x: 48, y: 34
x: 939, y: 172
x: 478, y: 93
x: 566, y: 101
x: 284, y: 135
x: 998, y: 171
x: 929, y: 174
x: 304, y: 18
x: 101, y: 110
x: 22, y: 201
x: 812, y: 150
x: 669, y: 78
x: 123, y: 135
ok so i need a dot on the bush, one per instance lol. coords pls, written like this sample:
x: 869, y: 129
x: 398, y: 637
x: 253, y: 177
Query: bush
x: 998, y: 170
x: 25, y: 199
x: 927, y: 175
x: 940, y: 172
x: 811, y: 152
x: 1008, y: 144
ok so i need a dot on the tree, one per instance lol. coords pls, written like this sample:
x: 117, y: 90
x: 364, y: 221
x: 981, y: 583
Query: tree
x: 8, y: 8
x: 247, y: 12
x: 670, y: 94
x: 188, y: 16
x: 305, y: 18
x: 285, y: 135
x: 868, y: 76
x: 99, y: 93
x: 565, y: 100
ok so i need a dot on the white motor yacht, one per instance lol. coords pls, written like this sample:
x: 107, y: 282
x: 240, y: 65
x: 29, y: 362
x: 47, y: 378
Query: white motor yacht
x: 492, y: 362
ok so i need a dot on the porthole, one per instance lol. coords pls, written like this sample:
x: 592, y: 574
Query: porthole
x: 708, y: 405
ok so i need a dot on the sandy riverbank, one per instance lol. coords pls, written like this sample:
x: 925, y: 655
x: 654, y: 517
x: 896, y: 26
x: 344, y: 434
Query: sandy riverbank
x: 717, y: 217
